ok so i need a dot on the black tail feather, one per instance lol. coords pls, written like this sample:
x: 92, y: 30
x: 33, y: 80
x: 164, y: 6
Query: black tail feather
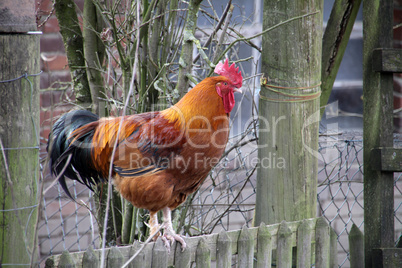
x: 60, y: 147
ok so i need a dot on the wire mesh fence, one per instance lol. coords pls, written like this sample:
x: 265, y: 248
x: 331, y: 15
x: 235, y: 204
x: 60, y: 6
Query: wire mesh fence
x: 226, y: 199
x: 340, y: 187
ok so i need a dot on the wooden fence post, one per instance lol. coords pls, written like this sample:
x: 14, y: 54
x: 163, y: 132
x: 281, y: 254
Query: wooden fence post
x: 182, y: 258
x: 377, y: 128
x: 289, y: 112
x: 159, y: 255
x: 245, y: 248
x: 66, y: 261
x: 284, y: 249
x: 90, y: 259
x: 114, y: 258
x: 224, y: 251
x: 333, y: 258
x: 203, y: 255
x: 264, y: 247
x: 356, y: 247
x: 322, y: 243
x: 304, y: 244
x: 143, y: 257
x: 19, y: 133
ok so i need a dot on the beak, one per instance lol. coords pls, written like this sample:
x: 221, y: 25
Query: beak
x: 237, y: 90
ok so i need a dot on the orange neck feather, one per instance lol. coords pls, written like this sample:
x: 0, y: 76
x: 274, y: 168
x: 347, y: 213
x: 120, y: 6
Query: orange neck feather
x: 200, y: 104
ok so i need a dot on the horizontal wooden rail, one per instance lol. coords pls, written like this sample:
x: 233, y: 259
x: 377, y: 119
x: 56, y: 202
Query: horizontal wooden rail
x: 387, y: 60
x: 386, y: 159
x: 387, y: 257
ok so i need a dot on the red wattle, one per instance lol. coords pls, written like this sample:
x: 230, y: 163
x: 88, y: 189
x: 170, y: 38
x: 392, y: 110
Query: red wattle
x: 228, y: 102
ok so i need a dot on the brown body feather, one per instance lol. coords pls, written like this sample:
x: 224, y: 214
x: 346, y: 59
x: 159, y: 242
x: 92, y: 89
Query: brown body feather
x: 161, y: 157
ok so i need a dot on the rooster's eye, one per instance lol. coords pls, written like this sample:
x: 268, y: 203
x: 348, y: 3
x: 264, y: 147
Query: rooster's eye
x: 225, y: 84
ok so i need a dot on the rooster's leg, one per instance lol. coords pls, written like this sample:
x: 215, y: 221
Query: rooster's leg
x: 169, y: 234
x: 153, y: 225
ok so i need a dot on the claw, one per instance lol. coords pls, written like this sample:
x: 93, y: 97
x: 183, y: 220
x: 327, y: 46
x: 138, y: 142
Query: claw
x: 166, y: 242
x: 169, y: 234
x: 169, y: 239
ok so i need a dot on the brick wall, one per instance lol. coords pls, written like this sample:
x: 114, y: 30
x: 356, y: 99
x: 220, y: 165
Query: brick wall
x: 55, y: 93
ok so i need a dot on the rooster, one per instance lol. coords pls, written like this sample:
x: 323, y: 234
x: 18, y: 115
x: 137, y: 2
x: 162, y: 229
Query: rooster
x: 161, y: 157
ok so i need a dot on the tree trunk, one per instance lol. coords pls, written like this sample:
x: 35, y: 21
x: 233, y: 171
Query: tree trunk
x: 19, y: 136
x: 73, y: 43
x: 335, y: 40
x: 186, y: 57
x: 94, y: 51
x: 289, y: 112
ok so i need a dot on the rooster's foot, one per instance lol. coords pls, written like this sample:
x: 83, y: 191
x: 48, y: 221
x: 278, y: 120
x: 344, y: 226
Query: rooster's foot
x: 169, y: 237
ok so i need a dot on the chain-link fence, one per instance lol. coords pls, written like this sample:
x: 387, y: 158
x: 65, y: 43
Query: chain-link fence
x: 226, y: 200
x: 340, y: 187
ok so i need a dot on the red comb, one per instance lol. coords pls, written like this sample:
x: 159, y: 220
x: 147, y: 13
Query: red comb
x: 230, y: 72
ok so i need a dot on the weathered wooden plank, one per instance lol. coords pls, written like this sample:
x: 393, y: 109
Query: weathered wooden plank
x: 333, y: 258
x: 182, y: 258
x: 140, y: 261
x: 304, y: 245
x: 284, y: 249
x: 322, y: 243
x: 386, y: 159
x: 144, y: 257
x: 387, y: 60
x: 66, y: 261
x: 90, y: 258
x: 387, y: 258
x: 356, y: 247
x: 114, y: 258
x: 203, y: 255
x: 377, y: 128
x: 264, y: 247
x: 224, y: 251
x: 159, y: 255
x: 245, y: 248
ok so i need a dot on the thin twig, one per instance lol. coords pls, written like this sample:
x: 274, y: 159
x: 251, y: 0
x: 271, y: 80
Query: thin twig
x: 218, y: 26
x: 131, y: 90
x: 238, y: 194
x: 48, y: 17
x: 142, y: 247
x: 397, y: 26
x: 244, y: 39
x: 224, y: 30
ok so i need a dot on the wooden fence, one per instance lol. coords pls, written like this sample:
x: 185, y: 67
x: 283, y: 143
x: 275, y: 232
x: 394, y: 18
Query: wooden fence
x: 300, y: 243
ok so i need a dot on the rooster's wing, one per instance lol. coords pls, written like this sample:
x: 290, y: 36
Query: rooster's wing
x: 150, y: 148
